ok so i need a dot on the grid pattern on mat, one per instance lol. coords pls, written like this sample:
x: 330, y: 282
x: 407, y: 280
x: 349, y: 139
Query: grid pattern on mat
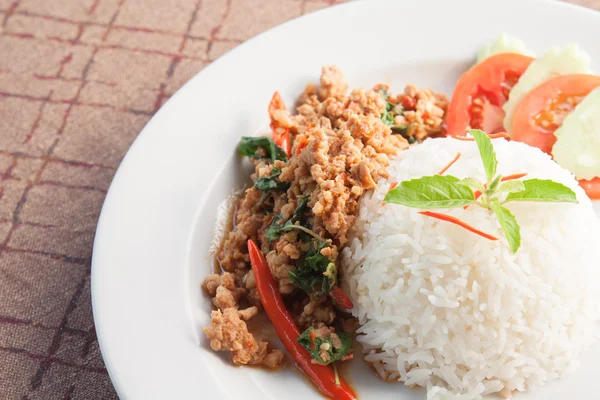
x: 78, y: 81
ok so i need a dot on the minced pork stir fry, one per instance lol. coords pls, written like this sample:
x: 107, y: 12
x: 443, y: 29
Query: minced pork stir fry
x: 307, y: 183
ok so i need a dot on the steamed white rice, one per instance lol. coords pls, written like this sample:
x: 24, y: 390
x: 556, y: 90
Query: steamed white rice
x: 443, y: 308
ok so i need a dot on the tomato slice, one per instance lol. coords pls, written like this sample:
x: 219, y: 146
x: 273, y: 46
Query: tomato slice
x: 591, y: 187
x: 481, y: 91
x: 543, y: 109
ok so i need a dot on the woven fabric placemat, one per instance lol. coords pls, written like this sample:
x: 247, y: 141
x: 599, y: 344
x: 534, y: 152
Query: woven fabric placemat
x: 78, y: 81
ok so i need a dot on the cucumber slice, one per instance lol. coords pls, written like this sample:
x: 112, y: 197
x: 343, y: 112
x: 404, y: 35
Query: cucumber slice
x: 557, y: 61
x: 577, y: 147
x: 503, y: 44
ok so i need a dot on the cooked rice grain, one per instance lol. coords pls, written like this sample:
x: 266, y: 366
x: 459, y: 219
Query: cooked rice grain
x: 458, y: 314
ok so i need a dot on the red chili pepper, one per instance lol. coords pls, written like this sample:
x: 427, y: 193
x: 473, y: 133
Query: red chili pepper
x: 302, y: 143
x: 322, y: 376
x: 409, y: 104
x: 456, y: 157
x: 340, y: 298
x: 454, y: 220
x: 281, y: 135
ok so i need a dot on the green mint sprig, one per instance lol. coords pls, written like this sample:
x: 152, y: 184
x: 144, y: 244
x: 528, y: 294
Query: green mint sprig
x: 450, y: 192
x: 437, y: 191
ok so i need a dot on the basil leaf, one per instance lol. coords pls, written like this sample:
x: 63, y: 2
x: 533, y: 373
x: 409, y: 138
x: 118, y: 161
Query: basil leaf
x: 387, y: 118
x: 511, y: 187
x: 437, y: 191
x: 271, y: 182
x: 473, y: 184
x: 543, y: 190
x: 315, y: 273
x: 330, y: 354
x: 404, y: 131
x: 249, y: 145
x: 487, y: 153
x: 391, y: 109
x: 279, y: 225
x: 508, y: 223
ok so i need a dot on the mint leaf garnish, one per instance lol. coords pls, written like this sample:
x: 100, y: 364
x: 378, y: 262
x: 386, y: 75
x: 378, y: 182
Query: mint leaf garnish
x: 473, y: 184
x: 543, y: 190
x: 438, y: 191
x: 508, y: 223
x: 487, y: 153
x: 447, y: 191
x: 511, y: 187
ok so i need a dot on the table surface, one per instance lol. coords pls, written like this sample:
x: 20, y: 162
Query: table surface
x: 77, y: 84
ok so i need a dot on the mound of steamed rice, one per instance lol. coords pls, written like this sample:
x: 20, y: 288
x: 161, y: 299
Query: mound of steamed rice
x: 443, y: 308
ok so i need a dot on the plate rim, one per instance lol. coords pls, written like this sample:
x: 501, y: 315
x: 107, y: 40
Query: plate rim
x: 104, y: 221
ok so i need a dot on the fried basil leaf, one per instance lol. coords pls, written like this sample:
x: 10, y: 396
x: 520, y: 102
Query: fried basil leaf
x: 271, y: 182
x: 249, y: 145
x: 313, y: 346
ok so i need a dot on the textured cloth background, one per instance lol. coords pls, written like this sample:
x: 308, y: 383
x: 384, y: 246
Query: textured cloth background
x: 78, y: 81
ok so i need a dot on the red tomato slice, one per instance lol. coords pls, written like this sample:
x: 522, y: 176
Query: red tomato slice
x: 481, y: 91
x: 592, y: 188
x: 543, y: 109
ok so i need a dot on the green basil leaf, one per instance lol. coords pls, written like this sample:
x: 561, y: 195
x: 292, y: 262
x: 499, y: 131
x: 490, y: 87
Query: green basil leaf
x: 249, y: 145
x: 543, y: 190
x: 315, y: 273
x: 387, y: 118
x: 511, y: 187
x: 271, y: 182
x: 332, y: 354
x: 275, y: 229
x: 405, y: 131
x: 508, y: 222
x: 437, y: 191
x: 487, y: 153
x: 473, y: 184
x: 279, y: 225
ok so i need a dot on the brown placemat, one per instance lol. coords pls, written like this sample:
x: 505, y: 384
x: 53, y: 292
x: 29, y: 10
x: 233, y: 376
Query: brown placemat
x: 78, y: 81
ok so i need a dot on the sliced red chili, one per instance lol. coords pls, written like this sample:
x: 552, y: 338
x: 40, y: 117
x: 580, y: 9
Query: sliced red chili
x: 322, y: 376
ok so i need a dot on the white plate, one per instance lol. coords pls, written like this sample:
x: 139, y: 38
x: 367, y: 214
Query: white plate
x: 155, y: 229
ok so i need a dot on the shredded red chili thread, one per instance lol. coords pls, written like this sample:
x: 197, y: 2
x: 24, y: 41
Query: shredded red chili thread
x: 491, y: 136
x: 454, y: 220
x: 312, y: 339
x: 513, y: 176
x: 504, y: 178
x: 456, y: 157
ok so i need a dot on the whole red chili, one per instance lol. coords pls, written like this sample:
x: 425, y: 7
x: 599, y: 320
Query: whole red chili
x: 322, y: 376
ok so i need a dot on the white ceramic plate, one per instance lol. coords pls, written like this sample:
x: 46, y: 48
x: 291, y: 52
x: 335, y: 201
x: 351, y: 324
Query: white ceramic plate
x: 154, y: 233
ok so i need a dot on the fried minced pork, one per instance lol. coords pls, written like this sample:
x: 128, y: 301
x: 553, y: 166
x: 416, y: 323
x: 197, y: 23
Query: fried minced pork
x: 341, y: 148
